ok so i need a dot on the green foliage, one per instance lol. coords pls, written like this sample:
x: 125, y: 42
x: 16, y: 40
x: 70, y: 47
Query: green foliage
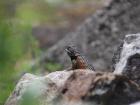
x: 15, y: 44
x: 52, y: 66
x: 35, y: 12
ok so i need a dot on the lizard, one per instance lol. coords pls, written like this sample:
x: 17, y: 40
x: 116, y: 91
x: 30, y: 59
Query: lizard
x: 77, y: 59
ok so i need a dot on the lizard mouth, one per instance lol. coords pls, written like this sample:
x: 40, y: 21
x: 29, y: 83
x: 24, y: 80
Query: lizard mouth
x: 66, y: 50
x: 69, y: 52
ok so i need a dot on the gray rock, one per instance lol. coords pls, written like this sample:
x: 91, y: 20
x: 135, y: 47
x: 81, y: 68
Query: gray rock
x: 128, y: 62
x: 100, y: 34
x: 137, y: 103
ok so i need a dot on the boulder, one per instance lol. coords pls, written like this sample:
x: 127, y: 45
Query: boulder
x: 100, y: 34
x: 78, y: 87
x: 127, y: 60
x: 39, y: 89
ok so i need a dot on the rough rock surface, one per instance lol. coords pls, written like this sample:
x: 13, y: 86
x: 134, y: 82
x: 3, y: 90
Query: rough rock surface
x: 79, y: 87
x: 42, y: 88
x: 127, y: 60
x: 99, y: 35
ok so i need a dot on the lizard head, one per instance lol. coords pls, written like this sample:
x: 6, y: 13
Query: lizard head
x: 72, y: 52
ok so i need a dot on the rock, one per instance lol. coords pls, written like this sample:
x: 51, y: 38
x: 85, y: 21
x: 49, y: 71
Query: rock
x: 100, y: 34
x: 128, y: 58
x: 79, y: 87
x: 99, y: 89
x: 37, y: 86
x: 137, y: 103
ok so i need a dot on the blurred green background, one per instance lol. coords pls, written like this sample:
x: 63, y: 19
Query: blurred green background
x: 18, y: 46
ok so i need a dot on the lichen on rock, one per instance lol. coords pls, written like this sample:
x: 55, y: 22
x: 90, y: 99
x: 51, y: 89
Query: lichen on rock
x: 129, y: 62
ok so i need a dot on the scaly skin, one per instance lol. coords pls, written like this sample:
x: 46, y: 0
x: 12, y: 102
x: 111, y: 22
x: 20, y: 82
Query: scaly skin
x: 78, y: 60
